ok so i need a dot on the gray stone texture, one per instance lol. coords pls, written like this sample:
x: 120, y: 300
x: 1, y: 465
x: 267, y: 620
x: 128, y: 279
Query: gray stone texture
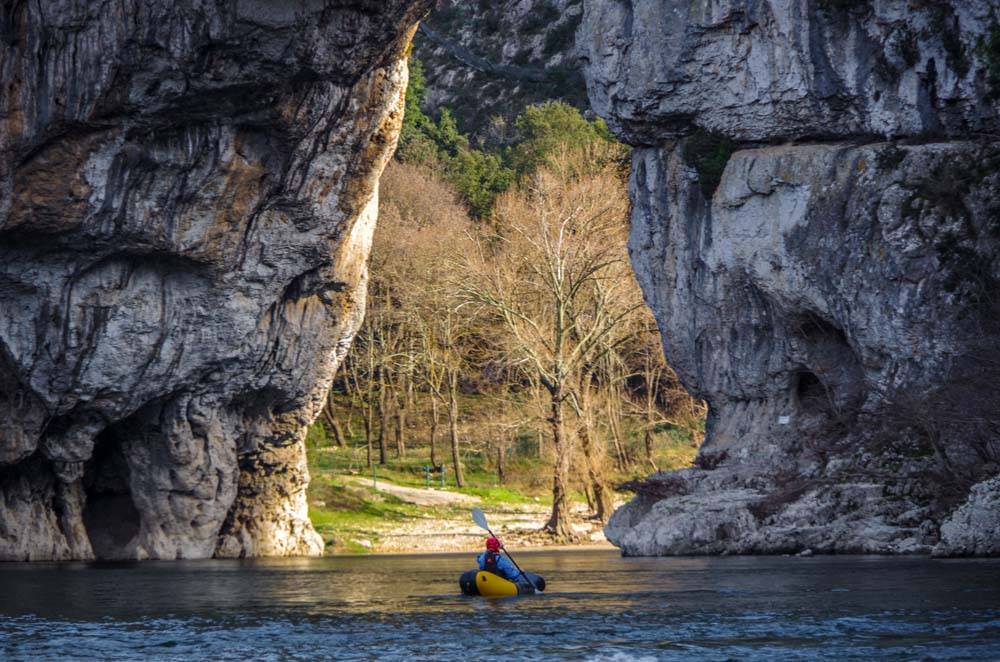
x: 187, y: 195
x: 974, y: 528
x: 835, y: 298
x: 766, y: 69
x: 487, y: 61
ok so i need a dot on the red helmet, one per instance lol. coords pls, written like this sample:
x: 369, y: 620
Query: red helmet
x: 492, y: 544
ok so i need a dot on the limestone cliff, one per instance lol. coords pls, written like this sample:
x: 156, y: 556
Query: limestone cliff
x: 833, y: 291
x: 485, y: 59
x: 187, y: 195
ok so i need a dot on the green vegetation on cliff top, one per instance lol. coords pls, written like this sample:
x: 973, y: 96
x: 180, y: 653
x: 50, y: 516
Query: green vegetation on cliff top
x: 481, y: 173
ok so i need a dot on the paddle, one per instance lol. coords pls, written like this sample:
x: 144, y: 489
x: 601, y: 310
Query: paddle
x: 480, y: 519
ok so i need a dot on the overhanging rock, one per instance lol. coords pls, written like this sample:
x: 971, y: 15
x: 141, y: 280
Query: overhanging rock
x: 187, y: 196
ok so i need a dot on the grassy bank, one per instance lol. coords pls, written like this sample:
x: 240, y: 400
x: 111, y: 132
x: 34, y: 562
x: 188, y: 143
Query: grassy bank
x: 354, y: 516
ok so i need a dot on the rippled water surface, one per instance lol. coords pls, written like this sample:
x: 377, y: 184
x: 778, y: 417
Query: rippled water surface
x: 599, y: 606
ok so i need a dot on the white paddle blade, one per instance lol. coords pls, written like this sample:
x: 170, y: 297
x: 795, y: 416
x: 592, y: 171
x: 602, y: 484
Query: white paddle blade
x: 480, y: 519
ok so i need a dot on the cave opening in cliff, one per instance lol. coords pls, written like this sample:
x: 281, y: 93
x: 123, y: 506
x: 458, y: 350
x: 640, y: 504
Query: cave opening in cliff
x: 810, y: 391
x: 110, y: 516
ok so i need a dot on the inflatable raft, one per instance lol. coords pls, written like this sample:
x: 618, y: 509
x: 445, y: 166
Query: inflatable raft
x: 481, y: 582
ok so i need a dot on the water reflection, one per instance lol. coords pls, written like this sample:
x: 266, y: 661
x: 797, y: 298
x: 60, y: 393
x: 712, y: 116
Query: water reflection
x: 600, y: 606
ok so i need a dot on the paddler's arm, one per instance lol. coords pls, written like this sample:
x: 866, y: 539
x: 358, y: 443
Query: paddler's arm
x: 507, y: 568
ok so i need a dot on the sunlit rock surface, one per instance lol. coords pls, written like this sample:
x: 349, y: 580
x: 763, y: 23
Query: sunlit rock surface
x: 187, y: 195
x: 835, y: 302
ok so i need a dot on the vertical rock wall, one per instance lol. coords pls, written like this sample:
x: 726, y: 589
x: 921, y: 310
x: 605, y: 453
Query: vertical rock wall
x: 187, y: 196
x: 832, y: 292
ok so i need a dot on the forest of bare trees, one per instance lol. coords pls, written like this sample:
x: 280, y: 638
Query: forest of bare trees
x: 511, y: 332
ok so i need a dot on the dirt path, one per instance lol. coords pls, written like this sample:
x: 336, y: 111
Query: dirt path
x: 448, y: 526
x: 416, y: 495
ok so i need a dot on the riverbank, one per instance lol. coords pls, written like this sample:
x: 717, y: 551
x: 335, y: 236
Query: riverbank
x: 356, y: 514
x: 399, y: 506
x: 398, y: 511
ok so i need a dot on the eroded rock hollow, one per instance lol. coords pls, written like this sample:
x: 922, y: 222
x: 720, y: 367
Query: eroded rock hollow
x: 832, y: 292
x: 187, y: 195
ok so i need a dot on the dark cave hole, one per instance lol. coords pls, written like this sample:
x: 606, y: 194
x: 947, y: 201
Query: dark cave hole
x: 814, y: 328
x: 834, y: 381
x: 810, y: 391
x: 58, y: 425
x: 110, y: 515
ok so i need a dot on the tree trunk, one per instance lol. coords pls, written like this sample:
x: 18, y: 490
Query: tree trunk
x: 351, y: 397
x: 615, y: 423
x: 399, y: 431
x: 652, y: 385
x: 369, y: 415
x: 349, y: 419
x: 559, y: 522
x: 453, y: 428
x: 647, y: 441
x: 589, y: 496
x: 501, y: 470
x: 647, y: 436
x: 601, y: 504
x: 381, y: 426
x: 330, y: 420
x: 402, y: 402
x: 338, y: 433
x: 326, y: 414
x: 410, y: 403
x: 434, y: 429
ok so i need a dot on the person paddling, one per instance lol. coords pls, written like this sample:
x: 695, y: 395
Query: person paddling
x: 492, y: 561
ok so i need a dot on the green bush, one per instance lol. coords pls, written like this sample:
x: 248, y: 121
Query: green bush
x: 543, y: 128
x: 480, y: 175
x: 479, y: 178
x: 415, y: 143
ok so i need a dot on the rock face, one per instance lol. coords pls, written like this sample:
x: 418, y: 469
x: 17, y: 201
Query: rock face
x: 974, y: 528
x: 832, y: 292
x: 187, y: 195
x: 485, y: 60
x: 791, y: 69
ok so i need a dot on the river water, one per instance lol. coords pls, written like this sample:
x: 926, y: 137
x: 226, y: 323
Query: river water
x: 599, y: 606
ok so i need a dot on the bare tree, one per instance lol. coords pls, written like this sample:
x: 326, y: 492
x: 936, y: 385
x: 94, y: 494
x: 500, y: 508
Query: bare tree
x: 659, y: 399
x: 426, y: 227
x: 549, y: 271
x: 445, y: 329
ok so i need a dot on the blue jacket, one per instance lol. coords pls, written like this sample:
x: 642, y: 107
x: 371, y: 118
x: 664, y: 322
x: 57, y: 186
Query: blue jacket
x: 505, y: 567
